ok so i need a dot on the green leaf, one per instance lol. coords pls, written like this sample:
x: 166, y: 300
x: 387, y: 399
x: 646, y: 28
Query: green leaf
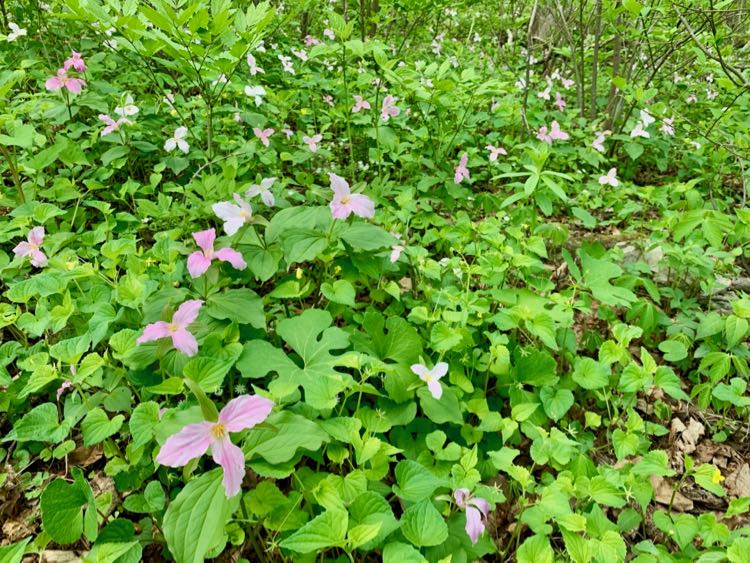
x: 239, y: 305
x: 13, y: 553
x: 736, y: 329
x: 62, y: 516
x: 325, y: 530
x: 278, y: 440
x: 535, y: 549
x: 709, y: 477
x: 440, y: 411
x: 423, y: 525
x: 303, y: 245
x: 590, y: 374
x: 209, y: 373
x: 596, y: 275
x: 97, y: 426
x: 654, y: 463
x: 364, y: 236
x: 415, y: 482
x: 194, y: 522
x: 556, y: 402
x: 674, y: 350
x: 312, y: 337
x: 340, y: 291
x: 397, y: 552
x: 39, y: 425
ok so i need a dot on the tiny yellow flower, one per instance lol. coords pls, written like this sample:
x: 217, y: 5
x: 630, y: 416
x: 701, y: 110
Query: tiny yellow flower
x: 298, y: 273
x: 717, y: 477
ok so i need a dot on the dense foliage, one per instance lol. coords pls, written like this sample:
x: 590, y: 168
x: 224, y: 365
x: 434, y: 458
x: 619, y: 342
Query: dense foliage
x: 399, y: 281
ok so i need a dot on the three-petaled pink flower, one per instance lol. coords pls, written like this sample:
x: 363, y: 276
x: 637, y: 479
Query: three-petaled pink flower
x: 359, y: 104
x: 263, y: 135
x: 389, y: 108
x: 598, y: 143
x: 667, y: 126
x: 432, y: 377
x: 62, y: 80
x: 345, y: 203
x: 495, y: 152
x: 76, y: 61
x: 610, y: 178
x: 559, y: 102
x: 312, y: 142
x: 553, y: 134
x: 396, y: 249
x: 63, y: 387
x: 234, y: 216
x: 476, y: 510
x: 111, y: 124
x: 462, y: 172
x: 200, y: 260
x: 254, y: 68
x: 30, y: 247
x: 263, y: 190
x: 193, y: 440
x: 177, y: 330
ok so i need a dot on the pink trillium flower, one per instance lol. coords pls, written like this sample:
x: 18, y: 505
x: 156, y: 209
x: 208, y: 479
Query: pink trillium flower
x: 200, y: 260
x: 263, y: 135
x: 312, y: 142
x: 610, y: 178
x: 328, y: 99
x: 311, y: 41
x: 193, y: 440
x: 30, y: 247
x: 128, y: 108
x: 495, y: 152
x: 667, y: 126
x: 598, y: 143
x: 234, y: 216
x: 286, y: 63
x: 389, y: 108
x: 62, y: 80
x: 178, y: 141
x: 300, y: 54
x: 553, y: 134
x: 359, y: 104
x: 329, y: 34
x: 432, y: 377
x: 63, y: 387
x: 691, y: 99
x: 263, y: 190
x: 345, y: 203
x: 255, y: 92
x: 476, y: 510
x: 559, y: 102
x: 254, y: 68
x: 182, y: 338
x: 396, y: 249
x: 567, y: 82
x: 15, y: 32
x: 545, y: 94
x: 111, y: 124
x: 76, y: 62
x: 646, y: 118
x: 462, y: 173
x: 640, y: 131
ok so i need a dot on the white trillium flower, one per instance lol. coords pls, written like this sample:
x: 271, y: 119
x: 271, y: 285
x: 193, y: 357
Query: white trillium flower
x: 178, y: 141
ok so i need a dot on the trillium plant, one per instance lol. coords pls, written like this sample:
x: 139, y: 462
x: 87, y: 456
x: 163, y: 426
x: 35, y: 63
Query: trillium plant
x: 374, y: 281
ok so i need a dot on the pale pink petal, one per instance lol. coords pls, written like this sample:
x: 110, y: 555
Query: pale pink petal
x: 232, y: 256
x: 244, y: 412
x: 205, y: 239
x: 198, y: 264
x: 74, y: 85
x: 189, y: 443
x: 38, y: 258
x: 231, y: 226
x: 361, y: 205
x: 474, y: 524
x: 459, y: 495
x: 227, y: 211
x: 187, y: 313
x: 339, y: 210
x: 436, y: 390
x: 232, y: 460
x: 440, y: 369
x: 36, y: 236
x: 23, y: 249
x: 267, y: 198
x: 154, y: 331
x: 339, y: 186
x: 53, y: 83
x: 421, y: 371
x: 481, y: 504
x: 185, y: 342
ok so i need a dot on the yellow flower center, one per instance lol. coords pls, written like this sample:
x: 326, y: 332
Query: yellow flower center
x: 345, y: 199
x: 219, y: 430
x: 173, y: 327
x: 245, y: 214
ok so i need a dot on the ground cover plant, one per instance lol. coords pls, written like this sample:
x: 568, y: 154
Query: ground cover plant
x: 383, y: 280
